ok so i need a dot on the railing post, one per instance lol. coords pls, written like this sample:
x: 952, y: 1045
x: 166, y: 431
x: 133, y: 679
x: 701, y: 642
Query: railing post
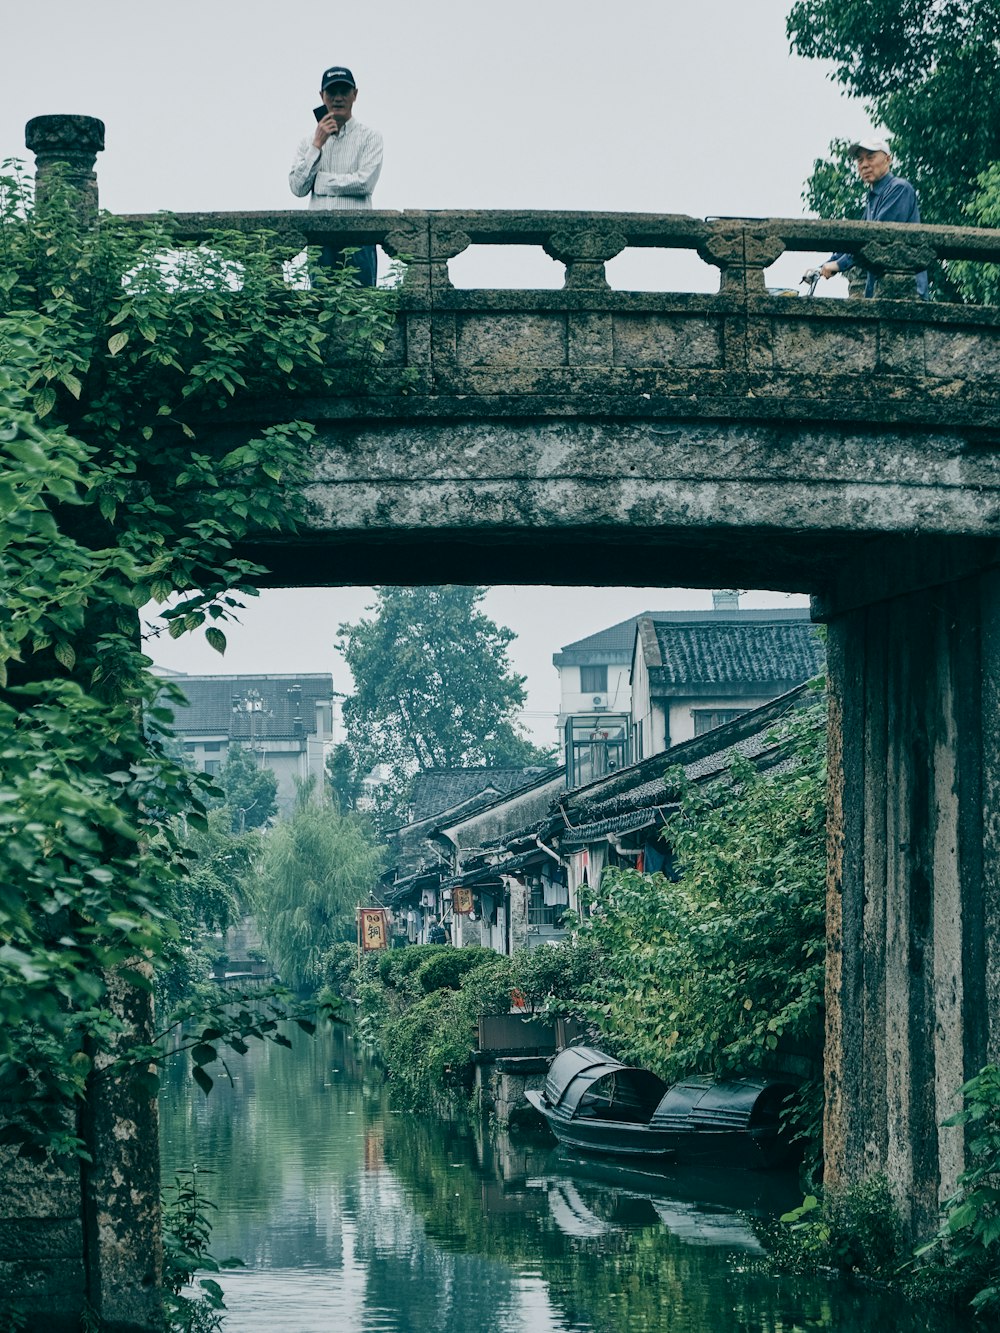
x: 741, y: 252
x: 895, y: 264
x: 585, y: 252
x: 70, y: 143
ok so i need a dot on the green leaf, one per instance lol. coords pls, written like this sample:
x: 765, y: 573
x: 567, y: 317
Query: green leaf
x: 203, y: 1079
x: 204, y: 1053
x: 216, y: 639
x: 44, y: 401
x: 65, y: 655
x: 116, y: 342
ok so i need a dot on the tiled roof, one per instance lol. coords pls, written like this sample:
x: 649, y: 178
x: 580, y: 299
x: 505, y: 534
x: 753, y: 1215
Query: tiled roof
x: 441, y: 789
x: 210, y: 708
x: 616, y: 641
x: 731, y: 652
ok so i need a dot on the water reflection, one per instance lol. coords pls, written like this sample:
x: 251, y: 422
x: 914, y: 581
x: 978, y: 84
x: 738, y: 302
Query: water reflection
x: 355, y: 1219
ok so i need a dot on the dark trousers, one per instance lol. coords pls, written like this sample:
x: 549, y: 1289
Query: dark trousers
x: 363, y: 261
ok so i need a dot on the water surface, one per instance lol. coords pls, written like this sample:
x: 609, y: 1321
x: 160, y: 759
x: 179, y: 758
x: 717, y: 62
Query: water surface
x: 353, y: 1219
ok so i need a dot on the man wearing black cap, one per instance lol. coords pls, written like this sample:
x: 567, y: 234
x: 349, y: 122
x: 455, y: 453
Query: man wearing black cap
x: 338, y: 167
x: 890, y: 199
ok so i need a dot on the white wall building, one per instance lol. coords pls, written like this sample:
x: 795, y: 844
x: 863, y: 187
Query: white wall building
x: 286, y: 722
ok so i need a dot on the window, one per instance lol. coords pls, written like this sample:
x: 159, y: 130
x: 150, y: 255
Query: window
x: 596, y: 743
x: 593, y: 680
x: 212, y: 747
x: 707, y: 718
x: 212, y: 767
x: 538, y: 913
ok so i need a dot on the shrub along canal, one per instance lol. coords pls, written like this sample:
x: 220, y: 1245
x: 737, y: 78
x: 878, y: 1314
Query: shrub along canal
x: 351, y: 1217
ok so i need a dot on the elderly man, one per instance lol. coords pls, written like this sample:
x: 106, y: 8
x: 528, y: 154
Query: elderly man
x: 890, y: 199
x: 338, y: 167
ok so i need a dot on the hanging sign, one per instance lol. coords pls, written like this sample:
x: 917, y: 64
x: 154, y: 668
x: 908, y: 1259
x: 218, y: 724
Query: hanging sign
x: 461, y: 901
x: 373, y: 928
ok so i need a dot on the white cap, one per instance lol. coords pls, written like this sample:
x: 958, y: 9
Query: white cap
x: 870, y: 146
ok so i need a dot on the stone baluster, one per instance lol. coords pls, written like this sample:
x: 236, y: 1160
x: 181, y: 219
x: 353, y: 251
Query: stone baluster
x: 585, y: 252
x: 427, y: 248
x: 410, y: 240
x: 66, y: 148
x: 741, y: 252
x: 895, y: 264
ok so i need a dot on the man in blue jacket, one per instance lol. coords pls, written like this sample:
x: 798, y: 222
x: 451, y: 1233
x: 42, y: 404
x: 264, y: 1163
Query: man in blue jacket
x: 890, y: 199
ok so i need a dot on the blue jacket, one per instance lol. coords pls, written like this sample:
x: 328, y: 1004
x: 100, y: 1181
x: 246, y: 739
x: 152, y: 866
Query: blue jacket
x: 891, y: 199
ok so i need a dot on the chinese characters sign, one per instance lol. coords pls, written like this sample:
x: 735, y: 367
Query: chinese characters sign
x: 373, y: 928
x: 461, y: 901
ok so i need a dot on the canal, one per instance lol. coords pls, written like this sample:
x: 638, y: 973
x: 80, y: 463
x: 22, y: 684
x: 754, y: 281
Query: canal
x: 351, y: 1218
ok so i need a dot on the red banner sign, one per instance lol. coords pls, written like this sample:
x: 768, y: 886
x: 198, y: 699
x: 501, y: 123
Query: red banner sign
x: 461, y: 901
x: 373, y: 928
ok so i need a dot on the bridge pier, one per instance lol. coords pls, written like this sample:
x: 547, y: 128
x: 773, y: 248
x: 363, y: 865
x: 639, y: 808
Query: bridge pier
x: 913, y: 978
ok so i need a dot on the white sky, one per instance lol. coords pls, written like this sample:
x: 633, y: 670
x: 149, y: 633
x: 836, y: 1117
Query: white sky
x: 647, y: 105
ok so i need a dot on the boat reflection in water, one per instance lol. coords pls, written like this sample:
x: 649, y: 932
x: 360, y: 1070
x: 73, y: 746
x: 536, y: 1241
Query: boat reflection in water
x: 597, y: 1105
x: 590, y: 1197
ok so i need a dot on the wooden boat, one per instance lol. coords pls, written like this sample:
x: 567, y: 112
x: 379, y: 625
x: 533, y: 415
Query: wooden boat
x: 595, y: 1104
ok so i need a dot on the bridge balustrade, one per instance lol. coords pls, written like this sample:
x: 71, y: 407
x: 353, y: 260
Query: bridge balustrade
x: 742, y: 352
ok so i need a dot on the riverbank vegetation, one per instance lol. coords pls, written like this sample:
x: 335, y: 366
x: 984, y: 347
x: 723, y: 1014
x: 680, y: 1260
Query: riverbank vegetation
x: 719, y: 971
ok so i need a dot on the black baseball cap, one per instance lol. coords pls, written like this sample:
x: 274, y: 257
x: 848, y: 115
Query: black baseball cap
x: 336, y: 74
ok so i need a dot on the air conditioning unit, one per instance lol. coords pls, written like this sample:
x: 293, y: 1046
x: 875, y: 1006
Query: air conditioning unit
x: 600, y: 703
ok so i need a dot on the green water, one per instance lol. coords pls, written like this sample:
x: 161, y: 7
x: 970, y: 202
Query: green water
x: 353, y: 1219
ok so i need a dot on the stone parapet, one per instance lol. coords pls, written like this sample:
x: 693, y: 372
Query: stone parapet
x: 743, y: 353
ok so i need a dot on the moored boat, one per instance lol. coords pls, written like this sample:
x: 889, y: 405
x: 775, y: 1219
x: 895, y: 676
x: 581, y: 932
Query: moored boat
x: 595, y: 1104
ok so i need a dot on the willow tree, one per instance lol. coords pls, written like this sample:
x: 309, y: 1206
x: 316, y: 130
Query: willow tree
x: 316, y: 867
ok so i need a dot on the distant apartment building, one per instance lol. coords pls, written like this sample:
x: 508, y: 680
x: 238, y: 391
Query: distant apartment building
x: 285, y: 722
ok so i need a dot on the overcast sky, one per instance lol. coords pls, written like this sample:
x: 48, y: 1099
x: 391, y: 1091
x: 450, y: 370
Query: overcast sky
x: 649, y: 105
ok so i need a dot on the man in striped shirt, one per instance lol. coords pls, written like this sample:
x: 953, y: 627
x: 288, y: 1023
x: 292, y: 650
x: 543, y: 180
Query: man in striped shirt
x: 339, y: 165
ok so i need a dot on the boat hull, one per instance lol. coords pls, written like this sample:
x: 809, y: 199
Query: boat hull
x: 619, y: 1139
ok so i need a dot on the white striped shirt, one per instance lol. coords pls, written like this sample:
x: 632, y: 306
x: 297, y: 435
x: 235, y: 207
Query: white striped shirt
x: 341, y: 174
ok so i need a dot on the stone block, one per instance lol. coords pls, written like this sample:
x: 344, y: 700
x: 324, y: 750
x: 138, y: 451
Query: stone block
x: 28, y: 1190
x: 511, y: 340
x: 666, y: 340
x: 963, y: 354
x: 801, y: 344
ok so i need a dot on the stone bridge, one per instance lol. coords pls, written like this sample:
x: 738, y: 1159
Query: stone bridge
x: 589, y: 435
x: 848, y: 449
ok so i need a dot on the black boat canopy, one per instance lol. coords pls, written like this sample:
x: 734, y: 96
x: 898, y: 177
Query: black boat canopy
x: 582, y: 1080
x: 703, y: 1105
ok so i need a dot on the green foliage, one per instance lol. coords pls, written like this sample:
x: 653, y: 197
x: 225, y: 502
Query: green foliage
x: 250, y: 791
x: 446, y: 970
x: 187, y: 1233
x: 723, y: 970
x: 433, y: 689
x: 981, y: 282
x: 426, y: 1037
x: 929, y: 72
x: 855, y: 1230
x: 317, y: 866
x: 119, y: 351
x: 964, y: 1258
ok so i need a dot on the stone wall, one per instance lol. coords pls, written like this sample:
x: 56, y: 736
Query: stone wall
x: 41, y: 1244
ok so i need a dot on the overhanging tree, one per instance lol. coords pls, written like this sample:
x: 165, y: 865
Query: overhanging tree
x: 434, y: 687
x: 118, y: 349
x: 929, y: 73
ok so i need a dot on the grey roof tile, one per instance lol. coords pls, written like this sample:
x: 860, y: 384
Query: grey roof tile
x: 735, y: 653
x: 210, y: 712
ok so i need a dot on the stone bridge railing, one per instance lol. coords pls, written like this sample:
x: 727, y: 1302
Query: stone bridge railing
x: 739, y: 353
